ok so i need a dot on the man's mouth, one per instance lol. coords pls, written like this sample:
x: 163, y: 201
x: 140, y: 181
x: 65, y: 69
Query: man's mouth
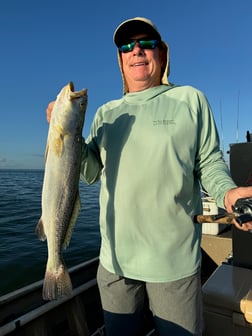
x: 139, y: 64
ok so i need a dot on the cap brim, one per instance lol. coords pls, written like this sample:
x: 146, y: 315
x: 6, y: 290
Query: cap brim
x: 132, y: 27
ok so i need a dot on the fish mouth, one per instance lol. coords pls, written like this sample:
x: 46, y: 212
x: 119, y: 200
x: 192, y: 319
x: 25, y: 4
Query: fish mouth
x: 71, y: 86
x: 76, y: 94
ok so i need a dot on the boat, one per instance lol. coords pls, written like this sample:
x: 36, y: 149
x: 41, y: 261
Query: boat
x: 24, y: 312
x: 226, y: 285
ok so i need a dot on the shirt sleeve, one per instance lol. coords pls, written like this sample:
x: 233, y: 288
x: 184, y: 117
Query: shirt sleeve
x: 210, y: 165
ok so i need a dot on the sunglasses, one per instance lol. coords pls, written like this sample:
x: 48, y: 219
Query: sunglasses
x: 143, y: 44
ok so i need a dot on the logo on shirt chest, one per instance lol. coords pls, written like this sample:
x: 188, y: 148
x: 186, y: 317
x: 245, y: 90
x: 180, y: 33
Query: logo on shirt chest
x: 163, y: 122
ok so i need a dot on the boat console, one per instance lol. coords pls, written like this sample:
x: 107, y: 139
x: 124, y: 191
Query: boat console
x: 227, y: 294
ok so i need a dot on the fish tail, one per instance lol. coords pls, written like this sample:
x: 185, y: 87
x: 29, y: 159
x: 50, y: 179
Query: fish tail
x: 57, y: 283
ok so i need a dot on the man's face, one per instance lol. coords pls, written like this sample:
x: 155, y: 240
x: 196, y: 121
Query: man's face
x: 141, y: 67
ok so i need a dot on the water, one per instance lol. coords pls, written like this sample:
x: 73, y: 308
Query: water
x: 22, y: 256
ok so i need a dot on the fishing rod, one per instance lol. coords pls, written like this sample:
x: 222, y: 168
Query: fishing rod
x: 242, y: 213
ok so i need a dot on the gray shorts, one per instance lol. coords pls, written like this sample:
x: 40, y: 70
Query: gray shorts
x: 176, y: 306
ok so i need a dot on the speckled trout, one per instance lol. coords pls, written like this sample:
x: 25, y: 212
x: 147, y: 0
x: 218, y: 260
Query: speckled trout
x: 60, y: 192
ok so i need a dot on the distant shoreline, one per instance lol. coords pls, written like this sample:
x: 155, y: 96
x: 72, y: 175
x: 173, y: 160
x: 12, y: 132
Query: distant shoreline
x: 23, y: 169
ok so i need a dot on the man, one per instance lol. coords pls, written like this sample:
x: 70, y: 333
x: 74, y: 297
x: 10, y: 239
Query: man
x: 152, y: 149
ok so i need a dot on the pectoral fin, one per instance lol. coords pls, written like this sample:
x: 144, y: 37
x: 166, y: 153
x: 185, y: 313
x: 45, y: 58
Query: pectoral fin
x: 40, y: 232
x: 58, y: 145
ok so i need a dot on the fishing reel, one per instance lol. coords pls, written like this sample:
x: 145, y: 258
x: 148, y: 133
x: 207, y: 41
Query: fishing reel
x: 243, y: 210
x: 242, y: 213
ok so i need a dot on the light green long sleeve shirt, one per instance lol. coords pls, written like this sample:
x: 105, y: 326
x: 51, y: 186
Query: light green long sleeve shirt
x: 151, y: 149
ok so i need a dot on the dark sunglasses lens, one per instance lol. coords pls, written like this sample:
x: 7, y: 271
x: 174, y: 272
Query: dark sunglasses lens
x: 127, y: 47
x: 151, y: 44
x: 143, y: 44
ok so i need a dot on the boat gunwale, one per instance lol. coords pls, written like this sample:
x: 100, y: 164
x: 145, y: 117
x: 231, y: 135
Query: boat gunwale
x: 38, y: 284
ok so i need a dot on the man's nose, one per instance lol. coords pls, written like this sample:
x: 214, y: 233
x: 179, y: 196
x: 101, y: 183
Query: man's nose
x: 137, y: 49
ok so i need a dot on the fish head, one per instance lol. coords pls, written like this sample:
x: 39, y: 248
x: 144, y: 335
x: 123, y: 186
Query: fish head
x: 70, y: 108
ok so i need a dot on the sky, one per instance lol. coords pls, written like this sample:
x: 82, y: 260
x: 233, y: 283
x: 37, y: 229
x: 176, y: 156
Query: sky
x: 44, y: 44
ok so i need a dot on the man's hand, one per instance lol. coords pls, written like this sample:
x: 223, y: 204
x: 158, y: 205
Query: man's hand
x: 49, y: 110
x: 230, y: 199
